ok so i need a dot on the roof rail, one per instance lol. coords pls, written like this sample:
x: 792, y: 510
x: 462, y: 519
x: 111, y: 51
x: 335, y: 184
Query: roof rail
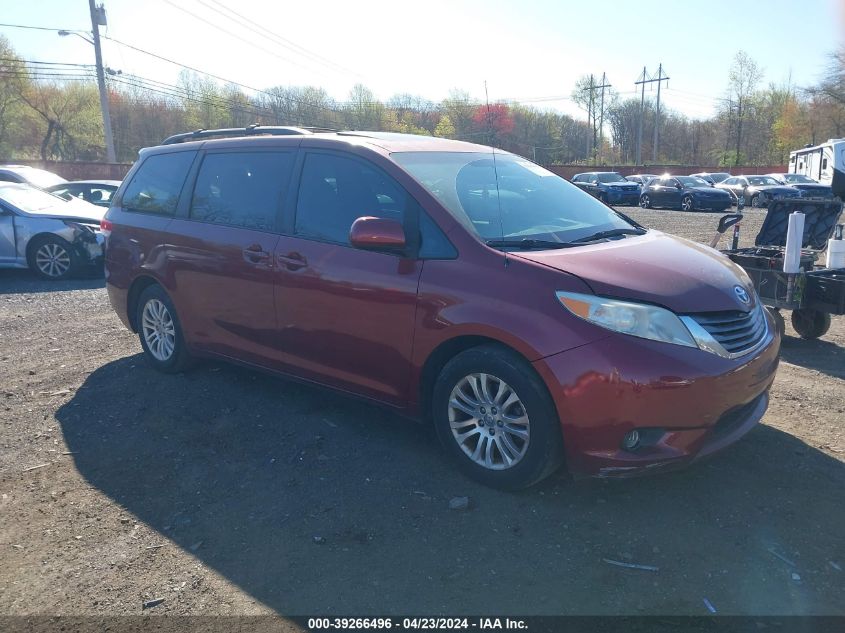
x: 249, y: 130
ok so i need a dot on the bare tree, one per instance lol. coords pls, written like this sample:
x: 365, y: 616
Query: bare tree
x: 744, y: 76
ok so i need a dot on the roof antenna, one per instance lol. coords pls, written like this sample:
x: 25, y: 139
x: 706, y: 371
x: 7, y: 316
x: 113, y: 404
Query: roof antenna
x: 490, y: 129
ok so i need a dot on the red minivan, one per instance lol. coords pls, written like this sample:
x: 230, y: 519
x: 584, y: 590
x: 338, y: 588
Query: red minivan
x: 530, y: 323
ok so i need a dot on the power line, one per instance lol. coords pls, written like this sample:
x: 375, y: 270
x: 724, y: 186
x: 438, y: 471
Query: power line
x: 213, y: 76
x: 234, y: 35
x: 274, y: 37
x: 35, y: 28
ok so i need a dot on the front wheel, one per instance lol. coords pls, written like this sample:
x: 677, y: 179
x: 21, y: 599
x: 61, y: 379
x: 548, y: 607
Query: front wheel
x: 645, y: 201
x: 495, y: 418
x: 51, y: 257
x: 758, y: 200
x: 687, y: 204
x: 810, y: 323
x: 160, y: 332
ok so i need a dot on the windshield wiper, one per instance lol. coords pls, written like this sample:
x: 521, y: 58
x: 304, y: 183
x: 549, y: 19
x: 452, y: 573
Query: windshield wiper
x: 528, y: 243
x: 611, y: 233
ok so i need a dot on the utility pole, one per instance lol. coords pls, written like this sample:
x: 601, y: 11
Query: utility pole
x: 604, y: 85
x: 660, y: 79
x: 642, y: 81
x: 98, y: 17
x: 590, y: 127
x: 739, y: 118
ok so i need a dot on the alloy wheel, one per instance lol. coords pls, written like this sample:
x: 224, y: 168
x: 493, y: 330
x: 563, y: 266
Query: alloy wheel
x: 52, y: 259
x: 686, y: 203
x: 645, y: 202
x: 159, y: 329
x: 489, y: 421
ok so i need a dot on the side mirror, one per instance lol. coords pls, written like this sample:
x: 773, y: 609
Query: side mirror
x: 678, y: 185
x: 377, y: 234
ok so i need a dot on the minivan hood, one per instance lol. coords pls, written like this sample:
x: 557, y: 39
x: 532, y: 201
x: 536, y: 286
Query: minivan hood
x: 656, y: 268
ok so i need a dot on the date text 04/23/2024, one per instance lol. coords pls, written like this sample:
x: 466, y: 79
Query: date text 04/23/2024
x: 422, y: 623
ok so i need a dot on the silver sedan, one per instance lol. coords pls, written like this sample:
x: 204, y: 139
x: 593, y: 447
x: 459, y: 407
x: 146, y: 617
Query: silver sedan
x: 52, y: 237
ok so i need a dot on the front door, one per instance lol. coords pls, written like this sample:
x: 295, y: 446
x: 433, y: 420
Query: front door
x: 346, y: 316
x: 8, y: 250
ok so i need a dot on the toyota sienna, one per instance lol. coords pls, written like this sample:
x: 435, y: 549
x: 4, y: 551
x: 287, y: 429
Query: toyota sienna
x: 530, y: 323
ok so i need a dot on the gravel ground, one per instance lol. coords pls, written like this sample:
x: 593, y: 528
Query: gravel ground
x: 226, y: 491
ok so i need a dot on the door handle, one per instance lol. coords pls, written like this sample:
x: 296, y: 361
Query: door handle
x: 293, y: 261
x: 254, y: 254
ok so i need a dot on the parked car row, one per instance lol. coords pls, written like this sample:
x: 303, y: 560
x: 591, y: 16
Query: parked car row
x: 50, y: 225
x: 698, y: 192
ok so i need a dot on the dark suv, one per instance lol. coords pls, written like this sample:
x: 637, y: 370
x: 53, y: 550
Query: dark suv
x: 529, y: 322
x: 609, y: 187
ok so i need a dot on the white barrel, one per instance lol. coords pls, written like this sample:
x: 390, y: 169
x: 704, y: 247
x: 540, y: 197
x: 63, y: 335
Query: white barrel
x: 836, y: 254
x: 794, y: 240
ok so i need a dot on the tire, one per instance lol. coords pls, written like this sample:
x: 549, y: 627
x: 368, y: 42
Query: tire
x: 51, y: 257
x: 687, y: 203
x: 758, y: 200
x: 780, y: 324
x: 810, y: 323
x: 645, y: 201
x: 502, y: 384
x: 160, y: 332
x: 603, y: 197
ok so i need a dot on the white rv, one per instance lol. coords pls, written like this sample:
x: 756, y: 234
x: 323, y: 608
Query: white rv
x: 825, y: 163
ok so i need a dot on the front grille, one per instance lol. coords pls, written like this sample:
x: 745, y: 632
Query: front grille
x: 736, y: 331
x: 629, y: 187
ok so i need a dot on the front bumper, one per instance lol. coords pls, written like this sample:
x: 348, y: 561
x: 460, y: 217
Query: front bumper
x: 696, y: 402
x: 89, y: 248
x: 713, y: 204
x: 624, y: 197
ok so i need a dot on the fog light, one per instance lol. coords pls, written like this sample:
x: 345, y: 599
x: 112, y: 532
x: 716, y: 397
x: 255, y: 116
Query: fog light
x: 631, y: 440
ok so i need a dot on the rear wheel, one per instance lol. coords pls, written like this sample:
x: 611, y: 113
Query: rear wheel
x: 160, y: 332
x: 645, y: 201
x: 810, y: 323
x: 687, y: 204
x: 495, y: 418
x: 51, y: 257
x: 758, y: 200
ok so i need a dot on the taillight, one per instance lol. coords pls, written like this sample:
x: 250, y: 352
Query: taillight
x: 105, y: 227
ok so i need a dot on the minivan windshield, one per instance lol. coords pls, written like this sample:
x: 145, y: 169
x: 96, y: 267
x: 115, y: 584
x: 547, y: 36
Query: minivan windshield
x: 511, y: 199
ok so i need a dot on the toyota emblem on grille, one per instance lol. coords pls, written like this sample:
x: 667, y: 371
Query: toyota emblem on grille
x: 742, y: 294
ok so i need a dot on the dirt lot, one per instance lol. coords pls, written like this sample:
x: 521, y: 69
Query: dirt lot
x: 225, y: 491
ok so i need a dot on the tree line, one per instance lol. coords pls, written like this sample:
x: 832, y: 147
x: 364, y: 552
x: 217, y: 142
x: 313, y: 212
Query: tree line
x: 51, y: 111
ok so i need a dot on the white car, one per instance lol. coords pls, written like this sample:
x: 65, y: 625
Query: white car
x: 54, y: 238
x: 40, y: 178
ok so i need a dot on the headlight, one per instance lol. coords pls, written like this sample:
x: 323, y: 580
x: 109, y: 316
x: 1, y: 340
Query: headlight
x: 83, y: 231
x: 635, y: 319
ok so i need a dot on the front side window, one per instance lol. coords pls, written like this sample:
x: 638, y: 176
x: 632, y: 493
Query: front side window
x: 156, y: 185
x: 508, y: 197
x: 334, y: 191
x: 242, y: 189
x: 691, y: 181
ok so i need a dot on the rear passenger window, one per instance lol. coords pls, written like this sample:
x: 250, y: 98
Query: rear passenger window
x: 335, y: 191
x: 242, y: 189
x: 156, y: 186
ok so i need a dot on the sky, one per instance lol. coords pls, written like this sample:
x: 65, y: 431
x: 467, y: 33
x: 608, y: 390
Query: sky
x: 532, y: 51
